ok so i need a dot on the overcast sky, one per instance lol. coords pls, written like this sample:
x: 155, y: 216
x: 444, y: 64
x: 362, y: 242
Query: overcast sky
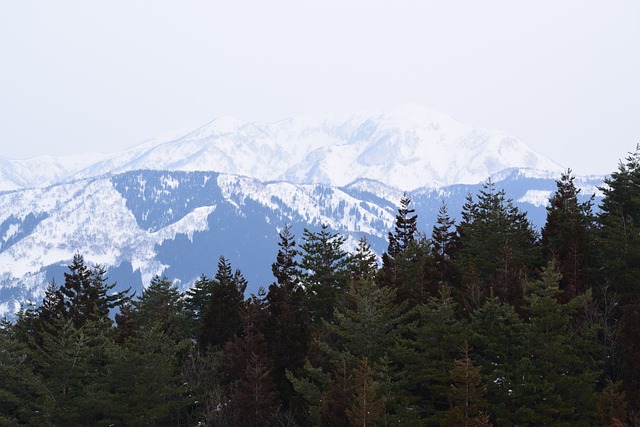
x: 100, y: 76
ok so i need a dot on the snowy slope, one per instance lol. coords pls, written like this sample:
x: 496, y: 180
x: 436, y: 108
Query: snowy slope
x: 406, y: 148
x: 43, y: 170
x: 142, y: 223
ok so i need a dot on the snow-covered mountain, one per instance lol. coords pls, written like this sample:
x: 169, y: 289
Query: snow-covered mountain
x: 173, y: 205
x: 407, y: 148
x: 142, y: 223
x: 42, y: 171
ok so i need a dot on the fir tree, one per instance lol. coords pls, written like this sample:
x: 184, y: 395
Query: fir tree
x: 498, y: 243
x: 325, y: 271
x: 567, y: 236
x: 161, y: 306
x: 221, y: 319
x: 619, y: 261
x: 287, y: 329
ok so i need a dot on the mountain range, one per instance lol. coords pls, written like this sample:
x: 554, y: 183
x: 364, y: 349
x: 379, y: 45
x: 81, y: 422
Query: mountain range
x: 172, y: 206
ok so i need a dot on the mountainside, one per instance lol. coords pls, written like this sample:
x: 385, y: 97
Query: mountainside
x: 408, y: 148
x: 142, y: 223
x: 174, y: 205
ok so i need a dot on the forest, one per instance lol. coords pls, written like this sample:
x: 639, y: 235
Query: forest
x: 483, y: 322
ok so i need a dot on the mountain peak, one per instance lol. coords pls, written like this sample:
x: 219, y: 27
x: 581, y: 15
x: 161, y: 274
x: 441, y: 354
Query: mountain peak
x: 407, y: 147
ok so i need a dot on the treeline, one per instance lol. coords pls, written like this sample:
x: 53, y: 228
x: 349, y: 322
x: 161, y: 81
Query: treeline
x: 484, y: 322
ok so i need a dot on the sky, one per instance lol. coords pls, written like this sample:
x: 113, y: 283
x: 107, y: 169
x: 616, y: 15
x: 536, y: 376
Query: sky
x: 102, y: 76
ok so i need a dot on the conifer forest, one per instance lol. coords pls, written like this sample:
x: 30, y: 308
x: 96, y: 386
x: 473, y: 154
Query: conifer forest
x: 484, y: 321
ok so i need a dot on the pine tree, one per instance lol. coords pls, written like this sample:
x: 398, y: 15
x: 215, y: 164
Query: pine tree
x: 560, y: 374
x: 144, y: 381
x: 363, y: 263
x: 196, y: 301
x: 567, y: 236
x: 400, y: 241
x: 368, y: 407
x: 442, y: 246
x: 86, y: 293
x: 23, y: 398
x: 161, y: 306
x: 287, y: 329
x: 325, y: 271
x: 429, y: 351
x: 248, y: 370
x: 466, y: 394
x: 619, y: 263
x: 498, y: 243
x: 221, y: 319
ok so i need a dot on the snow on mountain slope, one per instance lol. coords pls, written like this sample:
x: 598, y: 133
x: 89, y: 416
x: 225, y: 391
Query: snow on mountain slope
x: 43, y: 170
x: 141, y: 223
x: 407, y: 148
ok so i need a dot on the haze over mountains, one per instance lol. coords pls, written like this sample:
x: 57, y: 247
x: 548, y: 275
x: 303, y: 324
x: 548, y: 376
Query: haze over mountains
x: 408, y: 148
x: 172, y: 206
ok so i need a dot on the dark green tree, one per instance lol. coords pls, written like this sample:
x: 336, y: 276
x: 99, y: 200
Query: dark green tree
x: 325, y: 271
x: 287, y: 326
x: 442, y: 246
x: 248, y: 370
x: 498, y: 243
x: 568, y: 236
x: 86, y: 294
x: 196, y: 301
x: 363, y: 263
x: 401, y: 241
x: 221, y: 319
x: 144, y: 384
x: 619, y: 265
x: 161, y: 305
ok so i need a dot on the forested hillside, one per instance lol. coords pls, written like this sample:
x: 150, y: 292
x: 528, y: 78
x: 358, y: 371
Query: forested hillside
x: 476, y: 323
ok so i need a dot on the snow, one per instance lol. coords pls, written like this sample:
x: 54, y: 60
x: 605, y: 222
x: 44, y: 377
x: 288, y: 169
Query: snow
x: 409, y: 147
x: 536, y: 197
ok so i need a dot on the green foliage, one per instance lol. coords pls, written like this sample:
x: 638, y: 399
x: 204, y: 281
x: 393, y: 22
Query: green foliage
x: 466, y: 328
x: 619, y: 265
x: 161, y: 306
x: 568, y: 236
x: 221, y: 318
x: 325, y: 271
x: 498, y: 243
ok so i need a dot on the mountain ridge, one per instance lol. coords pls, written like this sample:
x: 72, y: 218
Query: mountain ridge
x: 409, y: 148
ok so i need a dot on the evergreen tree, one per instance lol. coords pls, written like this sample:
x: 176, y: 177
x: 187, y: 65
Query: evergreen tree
x: 86, y: 293
x: 363, y: 263
x: 497, y: 242
x: 161, y: 306
x: 23, y: 398
x: 144, y: 381
x: 560, y: 374
x: 442, y: 246
x: 466, y: 395
x: 429, y: 351
x: 248, y: 370
x: 325, y: 271
x: 287, y: 329
x: 497, y: 334
x: 619, y: 264
x: 286, y: 269
x: 221, y: 319
x: 368, y: 407
x: 567, y: 236
x: 196, y: 301
x: 400, y: 241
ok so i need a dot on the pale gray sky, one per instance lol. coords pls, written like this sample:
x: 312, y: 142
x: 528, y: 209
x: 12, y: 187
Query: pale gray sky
x: 87, y: 76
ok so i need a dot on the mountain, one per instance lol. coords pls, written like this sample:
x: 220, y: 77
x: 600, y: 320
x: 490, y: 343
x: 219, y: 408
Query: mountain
x: 174, y: 205
x: 142, y: 223
x: 43, y: 170
x: 408, y: 148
